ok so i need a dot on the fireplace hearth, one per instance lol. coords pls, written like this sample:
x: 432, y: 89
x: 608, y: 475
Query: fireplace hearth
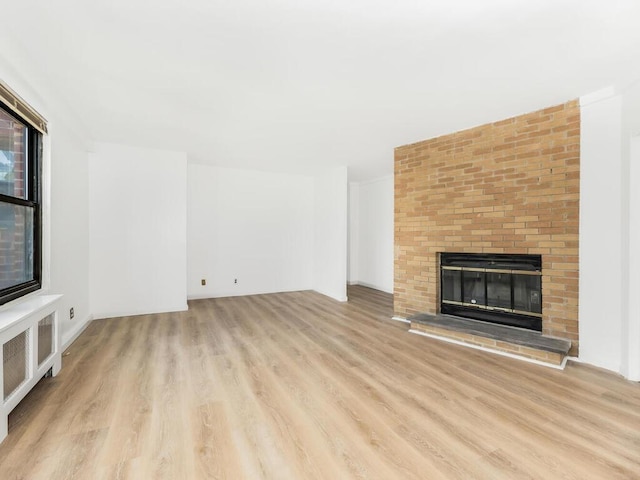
x: 496, y: 288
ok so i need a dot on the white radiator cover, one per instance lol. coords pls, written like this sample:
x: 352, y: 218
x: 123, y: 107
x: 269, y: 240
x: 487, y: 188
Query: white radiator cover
x: 30, y: 345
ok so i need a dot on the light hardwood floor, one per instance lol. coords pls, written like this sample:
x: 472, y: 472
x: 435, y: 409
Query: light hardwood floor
x: 297, y: 386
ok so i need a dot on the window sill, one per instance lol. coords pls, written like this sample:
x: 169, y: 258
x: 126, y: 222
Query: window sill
x: 17, y: 312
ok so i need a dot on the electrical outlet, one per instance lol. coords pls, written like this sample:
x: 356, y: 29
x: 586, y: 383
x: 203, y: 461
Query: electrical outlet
x: 71, y: 314
x: 235, y: 280
x: 203, y: 281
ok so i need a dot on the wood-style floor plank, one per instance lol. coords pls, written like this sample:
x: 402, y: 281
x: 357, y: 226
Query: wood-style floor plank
x: 298, y: 386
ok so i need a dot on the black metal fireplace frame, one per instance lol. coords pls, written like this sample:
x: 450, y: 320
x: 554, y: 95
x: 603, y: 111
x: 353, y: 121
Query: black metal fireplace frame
x: 503, y: 264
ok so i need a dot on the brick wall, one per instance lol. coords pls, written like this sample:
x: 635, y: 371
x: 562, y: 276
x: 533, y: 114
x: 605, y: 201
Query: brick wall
x: 506, y: 187
x: 13, y: 221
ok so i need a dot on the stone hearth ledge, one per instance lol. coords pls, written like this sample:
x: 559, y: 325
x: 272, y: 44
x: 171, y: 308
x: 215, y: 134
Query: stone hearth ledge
x: 513, y: 341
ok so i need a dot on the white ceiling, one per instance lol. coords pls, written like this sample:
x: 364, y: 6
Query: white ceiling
x: 293, y: 85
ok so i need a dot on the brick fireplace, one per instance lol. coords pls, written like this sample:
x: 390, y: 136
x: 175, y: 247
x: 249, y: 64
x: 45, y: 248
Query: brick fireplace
x: 509, y: 187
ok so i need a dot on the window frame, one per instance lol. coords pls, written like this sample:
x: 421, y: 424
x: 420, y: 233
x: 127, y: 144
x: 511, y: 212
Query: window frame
x: 33, y: 199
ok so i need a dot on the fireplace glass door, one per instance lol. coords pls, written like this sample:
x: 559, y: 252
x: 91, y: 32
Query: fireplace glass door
x: 473, y: 287
x: 494, y: 288
x: 526, y: 293
x: 499, y: 290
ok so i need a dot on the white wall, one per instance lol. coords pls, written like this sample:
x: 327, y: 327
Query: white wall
x: 330, y: 251
x: 138, y: 215
x: 69, y: 247
x: 631, y: 351
x: 609, y: 320
x: 600, y: 232
x: 65, y: 189
x: 631, y: 216
x: 373, y: 223
x: 252, y: 226
x: 353, y: 233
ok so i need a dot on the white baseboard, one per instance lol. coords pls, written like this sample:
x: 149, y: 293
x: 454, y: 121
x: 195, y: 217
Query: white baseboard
x: 371, y: 285
x: 326, y: 294
x: 239, y: 293
x: 71, y: 336
x: 136, y: 312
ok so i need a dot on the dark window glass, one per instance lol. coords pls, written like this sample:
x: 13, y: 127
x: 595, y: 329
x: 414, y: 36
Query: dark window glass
x: 14, y: 140
x: 16, y: 245
x: 20, y: 151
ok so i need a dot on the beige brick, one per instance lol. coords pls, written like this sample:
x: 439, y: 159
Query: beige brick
x: 507, y: 187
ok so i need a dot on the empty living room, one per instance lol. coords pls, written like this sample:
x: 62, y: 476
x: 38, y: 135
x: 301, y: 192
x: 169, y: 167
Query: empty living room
x: 320, y: 240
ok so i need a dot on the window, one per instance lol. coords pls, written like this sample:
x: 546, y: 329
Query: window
x: 20, y: 208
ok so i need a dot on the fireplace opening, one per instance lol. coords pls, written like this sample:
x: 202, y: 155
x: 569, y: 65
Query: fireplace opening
x: 497, y: 288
